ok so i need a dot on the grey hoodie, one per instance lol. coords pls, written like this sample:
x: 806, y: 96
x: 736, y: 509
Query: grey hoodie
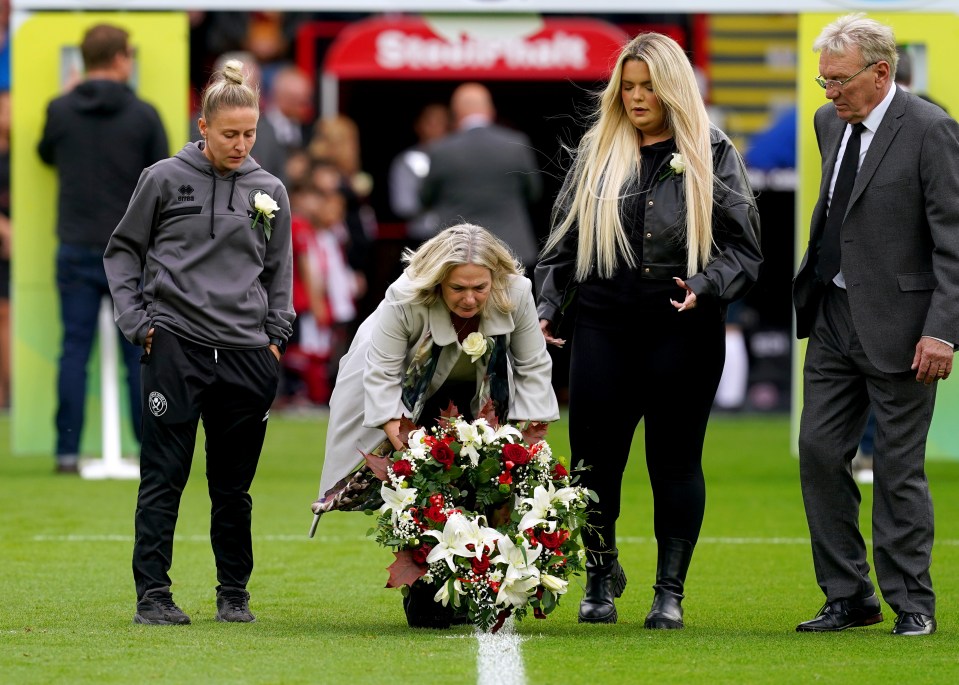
x: 186, y: 256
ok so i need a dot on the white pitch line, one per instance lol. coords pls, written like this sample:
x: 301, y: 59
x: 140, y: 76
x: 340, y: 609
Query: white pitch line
x: 499, y: 660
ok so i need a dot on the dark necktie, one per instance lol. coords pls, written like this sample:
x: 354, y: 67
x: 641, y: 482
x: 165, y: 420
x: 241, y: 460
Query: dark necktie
x: 830, y: 255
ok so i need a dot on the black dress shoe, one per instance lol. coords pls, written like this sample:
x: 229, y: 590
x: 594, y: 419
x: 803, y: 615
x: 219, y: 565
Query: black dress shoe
x: 914, y: 624
x: 842, y: 614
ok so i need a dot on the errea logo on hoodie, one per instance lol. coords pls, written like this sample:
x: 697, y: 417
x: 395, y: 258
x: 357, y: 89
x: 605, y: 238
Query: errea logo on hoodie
x: 186, y: 193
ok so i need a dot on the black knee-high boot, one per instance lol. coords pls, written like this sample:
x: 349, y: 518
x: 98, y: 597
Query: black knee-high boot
x: 605, y: 580
x: 672, y: 565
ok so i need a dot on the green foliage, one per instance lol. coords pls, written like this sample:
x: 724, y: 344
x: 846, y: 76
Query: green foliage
x: 323, y: 616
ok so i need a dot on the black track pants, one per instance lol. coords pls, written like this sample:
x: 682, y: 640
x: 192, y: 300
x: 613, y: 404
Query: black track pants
x: 231, y: 390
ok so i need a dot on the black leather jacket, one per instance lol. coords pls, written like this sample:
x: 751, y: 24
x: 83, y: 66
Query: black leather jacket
x: 730, y: 273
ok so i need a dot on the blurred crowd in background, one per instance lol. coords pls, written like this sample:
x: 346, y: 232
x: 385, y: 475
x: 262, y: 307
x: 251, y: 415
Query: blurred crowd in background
x: 354, y: 182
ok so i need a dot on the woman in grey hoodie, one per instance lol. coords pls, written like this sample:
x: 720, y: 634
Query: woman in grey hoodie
x: 200, y: 269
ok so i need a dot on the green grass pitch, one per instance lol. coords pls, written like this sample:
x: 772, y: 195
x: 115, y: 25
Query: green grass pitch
x: 67, y: 599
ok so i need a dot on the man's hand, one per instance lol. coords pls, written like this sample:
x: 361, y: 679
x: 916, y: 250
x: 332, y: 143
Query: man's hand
x: 933, y: 360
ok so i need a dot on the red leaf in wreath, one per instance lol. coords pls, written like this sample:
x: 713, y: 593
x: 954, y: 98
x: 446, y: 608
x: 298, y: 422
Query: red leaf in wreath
x: 405, y: 570
x: 488, y: 412
x: 447, y: 415
x: 534, y: 432
x: 377, y: 464
x: 406, y: 427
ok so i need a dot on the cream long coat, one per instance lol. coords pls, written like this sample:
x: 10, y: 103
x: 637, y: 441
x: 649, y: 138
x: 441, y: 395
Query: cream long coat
x: 368, y: 386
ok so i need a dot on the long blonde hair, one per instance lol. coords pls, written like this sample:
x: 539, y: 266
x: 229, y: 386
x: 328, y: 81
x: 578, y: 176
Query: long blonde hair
x: 606, y: 163
x: 431, y: 263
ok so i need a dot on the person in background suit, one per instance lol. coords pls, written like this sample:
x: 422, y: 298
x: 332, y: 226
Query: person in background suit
x: 484, y: 174
x: 895, y: 248
x: 409, y: 168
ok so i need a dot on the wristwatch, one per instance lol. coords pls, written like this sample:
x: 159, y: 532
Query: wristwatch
x: 280, y: 344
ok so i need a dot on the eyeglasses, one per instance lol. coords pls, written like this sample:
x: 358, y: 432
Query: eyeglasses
x: 826, y: 84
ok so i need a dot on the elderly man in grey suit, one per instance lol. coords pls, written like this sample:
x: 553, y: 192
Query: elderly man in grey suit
x: 484, y: 174
x: 877, y: 294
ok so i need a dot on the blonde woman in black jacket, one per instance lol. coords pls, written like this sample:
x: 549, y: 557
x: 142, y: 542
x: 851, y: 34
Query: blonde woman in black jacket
x: 654, y: 232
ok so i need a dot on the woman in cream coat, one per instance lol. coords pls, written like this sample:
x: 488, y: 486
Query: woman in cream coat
x: 459, y: 325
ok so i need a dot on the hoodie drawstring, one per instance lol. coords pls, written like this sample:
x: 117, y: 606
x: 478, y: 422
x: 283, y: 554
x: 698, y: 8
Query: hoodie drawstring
x: 229, y: 205
x: 213, y: 208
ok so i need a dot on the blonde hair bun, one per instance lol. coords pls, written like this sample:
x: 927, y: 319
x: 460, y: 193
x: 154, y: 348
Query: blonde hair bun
x: 233, y: 72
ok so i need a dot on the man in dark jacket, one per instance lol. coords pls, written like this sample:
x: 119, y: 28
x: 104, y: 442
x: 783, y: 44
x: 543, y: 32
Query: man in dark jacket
x: 100, y: 137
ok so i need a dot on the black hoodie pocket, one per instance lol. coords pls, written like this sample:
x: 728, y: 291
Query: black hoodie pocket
x: 179, y: 211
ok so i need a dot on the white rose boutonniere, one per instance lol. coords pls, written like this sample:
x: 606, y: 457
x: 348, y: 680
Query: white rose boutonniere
x: 677, y: 165
x: 475, y: 346
x: 266, y: 208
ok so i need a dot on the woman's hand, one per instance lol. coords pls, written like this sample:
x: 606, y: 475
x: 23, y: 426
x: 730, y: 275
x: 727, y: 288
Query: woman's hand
x: 547, y: 329
x: 689, y: 302
x: 392, y: 430
x: 148, y: 341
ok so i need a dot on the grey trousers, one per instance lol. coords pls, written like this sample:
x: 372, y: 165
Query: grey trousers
x: 839, y: 384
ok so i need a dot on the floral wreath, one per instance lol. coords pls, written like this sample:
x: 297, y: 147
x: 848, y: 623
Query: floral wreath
x: 482, y: 512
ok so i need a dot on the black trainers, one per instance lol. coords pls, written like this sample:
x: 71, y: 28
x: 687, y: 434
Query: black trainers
x: 233, y: 605
x: 157, y: 608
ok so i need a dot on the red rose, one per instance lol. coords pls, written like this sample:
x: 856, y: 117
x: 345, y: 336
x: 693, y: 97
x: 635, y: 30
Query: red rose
x: 435, y: 514
x: 505, y: 478
x: 420, y: 554
x: 402, y: 468
x: 517, y: 454
x: 437, y: 499
x: 554, y: 540
x: 480, y: 566
x: 559, y: 471
x: 443, y: 454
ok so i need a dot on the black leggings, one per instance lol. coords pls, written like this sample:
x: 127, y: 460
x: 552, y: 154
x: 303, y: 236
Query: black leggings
x: 664, y: 366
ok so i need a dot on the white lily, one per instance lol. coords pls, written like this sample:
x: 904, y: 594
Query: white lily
x: 519, y: 556
x: 517, y: 586
x: 557, y: 586
x: 472, y: 436
x: 521, y: 577
x: 508, y: 432
x: 458, y: 535
x: 543, y: 504
x: 396, y: 500
x: 443, y: 594
x: 540, y: 508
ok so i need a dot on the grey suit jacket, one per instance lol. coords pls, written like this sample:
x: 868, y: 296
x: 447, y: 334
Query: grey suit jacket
x: 900, y: 237
x: 486, y: 176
